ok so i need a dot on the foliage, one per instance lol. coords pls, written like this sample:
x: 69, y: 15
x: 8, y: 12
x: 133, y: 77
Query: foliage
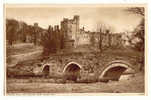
x: 52, y: 41
x: 139, y: 34
x: 31, y: 32
x: 23, y: 30
x: 137, y: 10
x: 92, y: 39
x: 12, y: 27
x: 100, y: 41
x: 18, y: 31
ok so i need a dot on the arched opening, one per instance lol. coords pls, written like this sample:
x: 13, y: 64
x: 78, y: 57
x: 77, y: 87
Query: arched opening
x: 72, y: 71
x: 45, y: 70
x: 114, y: 71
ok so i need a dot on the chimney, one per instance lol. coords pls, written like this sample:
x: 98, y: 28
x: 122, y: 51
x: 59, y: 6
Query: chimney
x: 35, y: 24
x: 76, y: 17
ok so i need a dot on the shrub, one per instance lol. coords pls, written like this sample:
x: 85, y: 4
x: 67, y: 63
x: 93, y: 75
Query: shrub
x: 52, y: 41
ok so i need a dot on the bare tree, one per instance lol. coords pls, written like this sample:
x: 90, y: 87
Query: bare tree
x: 137, y: 10
x: 100, y: 40
x: 106, y: 30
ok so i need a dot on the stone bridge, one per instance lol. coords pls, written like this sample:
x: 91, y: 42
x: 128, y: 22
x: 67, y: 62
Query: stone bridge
x: 74, y: 66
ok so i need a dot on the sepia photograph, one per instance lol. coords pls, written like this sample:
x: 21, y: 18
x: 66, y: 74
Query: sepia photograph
x: 75, y: 49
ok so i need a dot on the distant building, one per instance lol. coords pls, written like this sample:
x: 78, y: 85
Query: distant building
x: 37, y: 34
x: 112, y: 39
x: 83, y: 37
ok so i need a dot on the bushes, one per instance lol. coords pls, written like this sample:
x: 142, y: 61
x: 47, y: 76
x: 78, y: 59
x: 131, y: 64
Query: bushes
x: 12, y: 27
x: 52, y: 40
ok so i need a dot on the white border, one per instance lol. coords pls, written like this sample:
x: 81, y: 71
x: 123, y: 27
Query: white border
x: 71, y: 97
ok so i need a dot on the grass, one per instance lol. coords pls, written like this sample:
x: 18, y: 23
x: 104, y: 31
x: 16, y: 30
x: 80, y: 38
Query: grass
x: 22, y: 48
x: 133, y: 85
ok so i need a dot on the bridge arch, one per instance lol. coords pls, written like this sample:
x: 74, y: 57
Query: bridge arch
x: 46, y: 69
x: 72, y: 71
x: 114, y: 70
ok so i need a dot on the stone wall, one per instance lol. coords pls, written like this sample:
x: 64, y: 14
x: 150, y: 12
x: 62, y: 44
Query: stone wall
x: 112, y: 39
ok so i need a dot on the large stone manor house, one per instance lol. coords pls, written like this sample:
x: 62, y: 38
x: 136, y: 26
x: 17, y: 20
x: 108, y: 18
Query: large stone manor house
x: 74, y: 36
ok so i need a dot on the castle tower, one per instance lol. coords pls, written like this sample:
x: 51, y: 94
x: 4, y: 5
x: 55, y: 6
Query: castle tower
x: 70, y: 28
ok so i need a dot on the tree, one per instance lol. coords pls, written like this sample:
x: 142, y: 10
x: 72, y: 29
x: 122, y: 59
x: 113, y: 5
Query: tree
x: 23, y: 30
x: 62, y: 45
x: 30, y: 33
x: 109, y: 37
x: 104, y: 29
x: 35, y: 33
x: 100, y: 40
x: 51, y: 41
x: 137, y: 10
x: 11, y: 30
x: 47, y: 41
x: 92, y: 39
x: 11, y: 36
x: 138, y: 33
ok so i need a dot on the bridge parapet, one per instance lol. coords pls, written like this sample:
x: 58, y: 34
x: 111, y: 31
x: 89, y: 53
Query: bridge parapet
x: 90, y: 64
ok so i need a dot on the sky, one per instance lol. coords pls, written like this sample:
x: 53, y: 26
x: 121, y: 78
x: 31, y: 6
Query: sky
x: 91, y: 17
